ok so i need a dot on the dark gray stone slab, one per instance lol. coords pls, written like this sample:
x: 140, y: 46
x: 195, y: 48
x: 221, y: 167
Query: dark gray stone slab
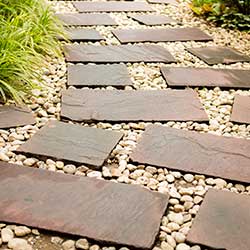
x: 214, y: 55
x: 151, y: 19
x: 111, y: 6
x: 130, y: 105
x: 86, y: 19
x: 163, y: 1
x: 79, y: 34
x: 207, y: 154
x: 12, y: 116
x: 117, y: 53
x: 227, y: 78
x: 241, y: 109
x: 160, y: 35
x: 98, y: 75
x: 222, y: 222
x: 96, y: 209
x: 73, y: 143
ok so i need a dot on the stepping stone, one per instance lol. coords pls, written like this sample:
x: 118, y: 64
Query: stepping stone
x: 130, y: 105
x: 214, y: 55
x: 117, y: 53
x: 86, y: 19
x: 163, y: 1
x: 111, y: 6
x: 223, y: 221
x: 96, y: 209
x: 99, y: 75
x: 12, y: 116
x: 188, y: 151
x: 226, y: 78
x: 74, y: 143
x: 241, y: 109
x: 149, y: 19
x: 79, y: 34
x: 160, y: 35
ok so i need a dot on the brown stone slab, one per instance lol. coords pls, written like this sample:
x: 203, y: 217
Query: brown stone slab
x: 212, y: 155
x: 117, y: 53
x: 241, y: 109
x: 111, y: 6
x: 86, y: 19
x: 72, y: 143
x: 79, y: 34
x: 223, y: 221
x: 101, y: 210
x: 130, y: 105
x: 98, y: 75
x: 227, y: 78
x: 214, y: 55
x: 163, y: 1
x: 150, y: 19
x: 160, y: 35
x: 12, y: 116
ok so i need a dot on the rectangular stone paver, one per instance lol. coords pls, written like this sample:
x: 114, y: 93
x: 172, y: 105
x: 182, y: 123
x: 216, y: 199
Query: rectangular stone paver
x: 111, y: 6
x: 189, y: 151
x: 70, y: 142
x: 241, y: 109
x: 99, y: 75
x: 96, y: 209
x: 163, y: 1
x: 80, y: 34
x: 117, y: 53
x: 152, y: 19
x: 12, y: 116
x: 130, y: 105
x: 227, y: 78
x: 215, y: 54
x: 223, y: 221
x: 160, y: 35
x: 86, y: 19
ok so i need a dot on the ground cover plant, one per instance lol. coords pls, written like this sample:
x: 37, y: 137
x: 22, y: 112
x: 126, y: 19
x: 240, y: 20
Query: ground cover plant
x: 28, y: 33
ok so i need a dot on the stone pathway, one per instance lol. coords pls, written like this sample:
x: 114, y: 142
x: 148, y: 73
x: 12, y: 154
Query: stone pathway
x: 104, y: 136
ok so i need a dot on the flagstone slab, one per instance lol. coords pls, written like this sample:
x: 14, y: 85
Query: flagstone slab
x: 130, y: 105
x: 99, y: 75
x: 222, y: 222
x: 111, y: 6
x: 86, y: 19
x: 241, y: 109
x: 189, y: 151
x: 79, y: 34
x: 163, y: 1
x: 214, y: 55
x: 227, y: 78
x: 71, y: 142
x: 160, y: 35
x: 12, y: 116
x: 117, y: 53
x: 152, y: 19
x: 100, y: 210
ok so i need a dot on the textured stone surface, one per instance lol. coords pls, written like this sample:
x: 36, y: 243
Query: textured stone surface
x: 130, y: 105
x: 86, y: 19
x: 117, y: 53
x: 111, y: 6
x: 96, y: 209
x: 241, y: 109
x: 160, y: 35
x: 152, y: 19
x: 230, y: 78
x: 214, y: 55
x: 98, y: 75
x: 12, y: 116
x: 79, y: 34
x: 223, y: 221
x: 163, y: 1
x: 189, y: 151
x: 72, y: 142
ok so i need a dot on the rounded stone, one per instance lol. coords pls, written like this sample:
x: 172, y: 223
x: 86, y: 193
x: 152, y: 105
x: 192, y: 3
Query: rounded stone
x: 22, y: 231
x: 182, y: 246
x: 69, y: 169
x: 6, y: 235
x: 166, y: 246
x: 68, y: 245
x: 176, y: 217
x: 17, y: 243
x: 188, y: 177
x: 82, y: 244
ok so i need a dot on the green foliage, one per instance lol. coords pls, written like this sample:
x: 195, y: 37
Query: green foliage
x: 232, y: 14
x: 28, y: 33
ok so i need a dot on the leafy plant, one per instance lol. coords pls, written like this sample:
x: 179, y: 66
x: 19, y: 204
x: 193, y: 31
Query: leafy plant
x: 28, y: 33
